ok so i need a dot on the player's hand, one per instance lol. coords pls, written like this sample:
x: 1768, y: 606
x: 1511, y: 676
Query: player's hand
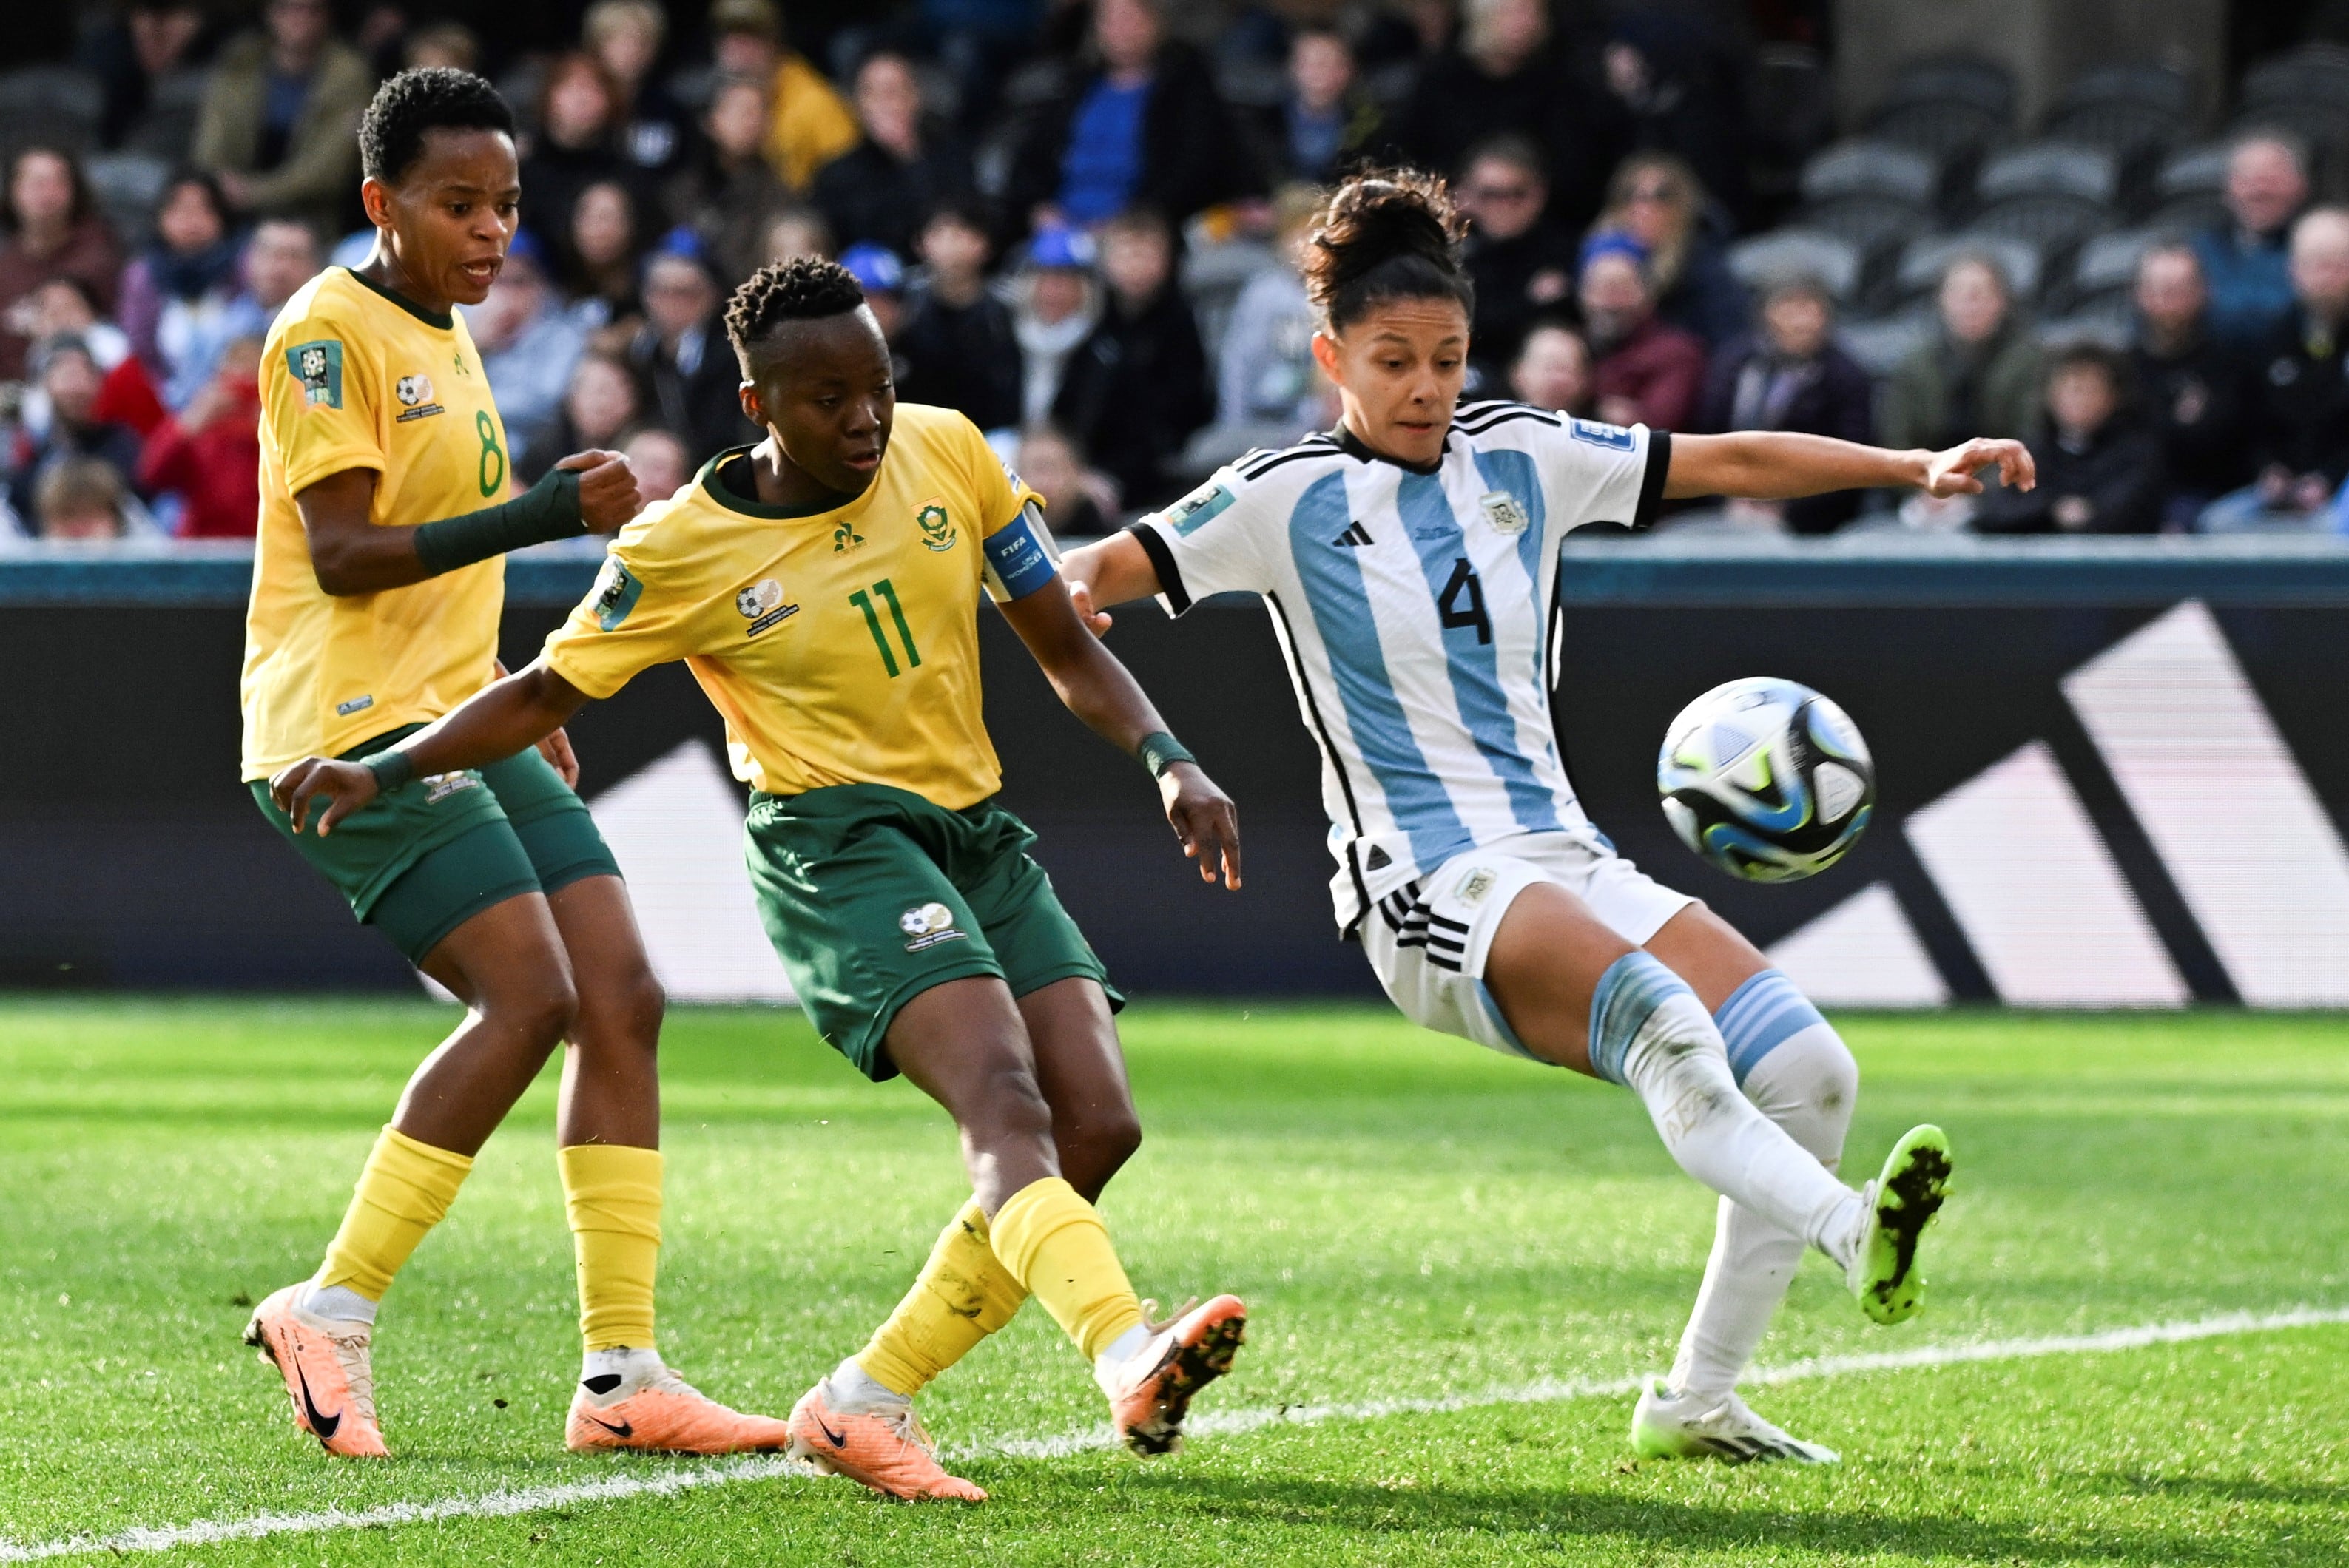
x: 607, y: 489
x: 556, y: 749
x: 1951, y: 472
x: 344, y: 787
x: 1204, y: 820
x: 1081, y: 594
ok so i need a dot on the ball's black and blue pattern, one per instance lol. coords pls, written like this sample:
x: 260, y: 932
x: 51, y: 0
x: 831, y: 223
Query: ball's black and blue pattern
x: 1766, y: 778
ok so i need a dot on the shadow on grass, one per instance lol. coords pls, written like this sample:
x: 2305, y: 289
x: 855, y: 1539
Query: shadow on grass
x: 1546, y: 1514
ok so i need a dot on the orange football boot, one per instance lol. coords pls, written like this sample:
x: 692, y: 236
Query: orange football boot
x: 1149, y: 1394
x: 670, y: 1416
x: 328, y: 1377
x: 885, y: 1449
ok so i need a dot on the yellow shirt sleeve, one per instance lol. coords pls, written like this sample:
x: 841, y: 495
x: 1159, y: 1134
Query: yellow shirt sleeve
x: 635, y: 617
x: 1001, y: 494
x: 320, y: 401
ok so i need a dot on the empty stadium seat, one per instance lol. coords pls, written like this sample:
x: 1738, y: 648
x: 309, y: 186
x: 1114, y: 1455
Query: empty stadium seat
x: 1957, y: 78
x: 2050, y: 168
x: 2187, y: 191
x: 2317, y: 72
x: 55, y: 104
x: 127, y: 185
x: 1924, y: 259
x: 1869, y: 223
x: 2046, y: 221
x: 2106, y: 265
x: 1872, y: 168
x: 1879, y: 343
x: 1947, y: 128
x: 1832, y: 260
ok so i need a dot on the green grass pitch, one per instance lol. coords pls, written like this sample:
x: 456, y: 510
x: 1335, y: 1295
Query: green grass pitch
x: 1410, y: 1217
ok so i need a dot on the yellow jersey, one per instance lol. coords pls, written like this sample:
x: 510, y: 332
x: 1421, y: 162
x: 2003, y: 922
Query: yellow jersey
x: 353, y: 377
x: 842, y: 646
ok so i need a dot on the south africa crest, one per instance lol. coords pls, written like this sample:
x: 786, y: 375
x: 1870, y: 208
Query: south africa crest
x: 937, y: 529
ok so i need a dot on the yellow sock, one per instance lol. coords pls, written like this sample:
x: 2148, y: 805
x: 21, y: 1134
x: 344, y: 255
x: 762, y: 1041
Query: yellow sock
x: 613, y: 1194
x: 1054, y: 1243
x: 962, y: 1296
x: 404, y: 1189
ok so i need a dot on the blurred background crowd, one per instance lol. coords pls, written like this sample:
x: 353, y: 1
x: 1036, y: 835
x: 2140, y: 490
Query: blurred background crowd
x: 1077, y: 223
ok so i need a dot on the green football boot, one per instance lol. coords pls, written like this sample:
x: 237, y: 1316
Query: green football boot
x: 1899, y: 1204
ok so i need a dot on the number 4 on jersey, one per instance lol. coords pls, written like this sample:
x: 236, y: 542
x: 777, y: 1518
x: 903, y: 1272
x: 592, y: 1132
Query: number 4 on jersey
x: 1465, y: 586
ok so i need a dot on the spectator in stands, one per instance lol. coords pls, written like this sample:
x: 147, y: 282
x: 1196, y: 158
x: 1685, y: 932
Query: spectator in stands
x: 1646, y: 372
x: 799, y: 231
x: 1079, y: 503
x: 959, y: 344
x: 1136, y: 122
x: 1678, y: 84
x: 2100, y: 468
x: 1056, y: 306
x: 1325, y: 121
x: 662, y: 465
x: 133, y: 54
x: 2244, y: 262
x: 529, y: 343
x: 280, y: 256
x: 879, y: 190
x: 1654, y: 197
x: 1509, y: 78
x: 1979, y: 374
x: 177, y: 296
x: 1553, y: 368
x: 808, y: 125
x: 80, y: 501
x: 2192, y: 387
x: 603, y: 404
x: 53, y: 230
x: 599, y: 261
x: 1791, y: 375
x: 281, y: 117
x: 209, y: 455
x: 70, y: 379
x: 126, y: 394
x: 729, y: 192
x: 1268, y: 389
x: 2298, y: 418
x: 451, y: 46
x: 881, y: 274
x: 1136, y: 388
x: 682, y: 356
x: 576, y: 145
x: 656, y: 132
x: 1522, y: 265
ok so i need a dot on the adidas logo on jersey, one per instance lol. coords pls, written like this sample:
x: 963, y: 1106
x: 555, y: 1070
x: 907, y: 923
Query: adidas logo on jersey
x: 1355, y: 536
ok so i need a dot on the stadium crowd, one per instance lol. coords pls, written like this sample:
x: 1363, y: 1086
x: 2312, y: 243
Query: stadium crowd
x: 1079, y: 224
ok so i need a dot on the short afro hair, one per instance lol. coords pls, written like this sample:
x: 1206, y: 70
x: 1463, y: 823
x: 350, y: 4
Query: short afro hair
x: 430, y: 97
x: 803, y: 288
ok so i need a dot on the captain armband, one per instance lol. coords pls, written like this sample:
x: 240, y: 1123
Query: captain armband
x: 1021, y: 556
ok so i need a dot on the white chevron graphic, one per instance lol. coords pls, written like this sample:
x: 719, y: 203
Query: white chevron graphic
x: 2204, y: 768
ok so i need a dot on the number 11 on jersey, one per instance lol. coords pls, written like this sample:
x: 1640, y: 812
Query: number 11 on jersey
x: 863, y: 599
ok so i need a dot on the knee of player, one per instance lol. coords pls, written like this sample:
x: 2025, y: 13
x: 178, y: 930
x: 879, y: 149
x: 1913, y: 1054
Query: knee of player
x: 1113, y: 1141
x: 638, y: 1003
x: 543, y: 1008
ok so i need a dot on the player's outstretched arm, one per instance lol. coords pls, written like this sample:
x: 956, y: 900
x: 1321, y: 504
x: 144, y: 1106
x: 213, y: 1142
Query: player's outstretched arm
x: 1780, y: 465
x: 1103, y: 692
x: 501, y: 719
x: 588, y: 493
x: 1109, y: 571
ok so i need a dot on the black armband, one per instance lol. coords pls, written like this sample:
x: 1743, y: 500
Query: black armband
x: 548, y: 509
x: 1160, y: 751
x: 392, y: 770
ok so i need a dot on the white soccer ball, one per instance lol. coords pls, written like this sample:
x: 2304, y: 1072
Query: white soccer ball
x: 1766, y: 778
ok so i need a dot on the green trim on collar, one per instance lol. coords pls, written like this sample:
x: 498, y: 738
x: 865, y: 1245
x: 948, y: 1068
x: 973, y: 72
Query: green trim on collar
x: 444, y: 320
x: 732, y: 500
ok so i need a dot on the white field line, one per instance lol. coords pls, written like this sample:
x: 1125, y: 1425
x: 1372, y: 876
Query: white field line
x: 728, y: 1473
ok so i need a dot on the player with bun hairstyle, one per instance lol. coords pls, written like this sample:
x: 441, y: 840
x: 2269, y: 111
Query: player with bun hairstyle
x: 824, y: 586
x: 1409, y: 558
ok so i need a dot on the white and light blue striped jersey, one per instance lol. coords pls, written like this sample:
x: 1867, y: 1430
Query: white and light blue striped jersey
x: 1413, y: 608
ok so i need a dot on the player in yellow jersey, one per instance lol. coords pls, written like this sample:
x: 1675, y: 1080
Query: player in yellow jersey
x: 377, y: 589
x: 824, y: 587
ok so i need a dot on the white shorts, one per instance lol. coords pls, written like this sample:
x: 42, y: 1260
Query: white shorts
x: 1427, y: 940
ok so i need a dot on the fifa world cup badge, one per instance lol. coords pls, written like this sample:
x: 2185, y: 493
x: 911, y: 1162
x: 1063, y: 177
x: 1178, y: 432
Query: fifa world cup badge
x: 1503, y: 511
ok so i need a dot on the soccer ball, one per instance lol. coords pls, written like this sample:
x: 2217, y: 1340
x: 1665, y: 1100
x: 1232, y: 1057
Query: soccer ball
x: 1766, y: 778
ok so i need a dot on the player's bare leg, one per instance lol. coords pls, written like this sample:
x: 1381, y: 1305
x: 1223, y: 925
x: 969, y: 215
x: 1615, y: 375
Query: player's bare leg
x: 508, y: 963
x: 1578, y: 995
x: 607, y: 1123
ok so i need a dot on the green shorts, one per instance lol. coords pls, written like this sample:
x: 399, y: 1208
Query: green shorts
x: 420, y: 862
x: 872, y: 895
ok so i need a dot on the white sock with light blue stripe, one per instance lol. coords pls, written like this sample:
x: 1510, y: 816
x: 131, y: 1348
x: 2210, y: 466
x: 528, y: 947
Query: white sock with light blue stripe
x: 1795, y: 1069
x: 1649, y: 1031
